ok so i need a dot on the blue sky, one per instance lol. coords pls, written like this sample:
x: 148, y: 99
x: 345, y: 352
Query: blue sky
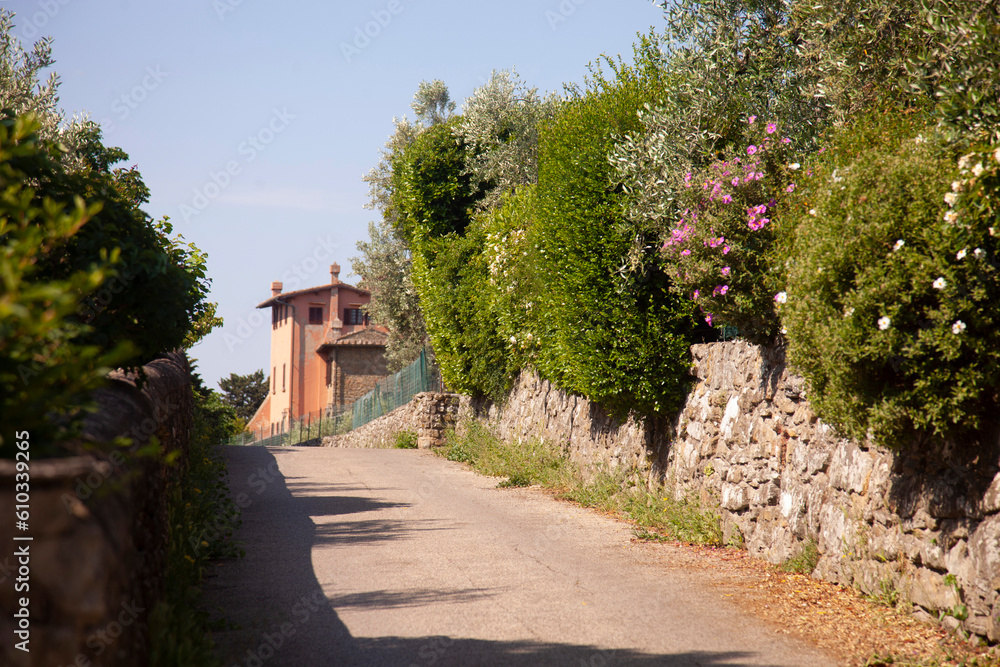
x: 253, y: 121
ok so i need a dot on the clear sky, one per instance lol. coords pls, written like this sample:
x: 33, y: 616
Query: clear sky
x: 253, y: 121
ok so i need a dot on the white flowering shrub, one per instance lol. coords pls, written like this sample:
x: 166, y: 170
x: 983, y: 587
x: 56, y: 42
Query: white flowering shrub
x: 893, y: 284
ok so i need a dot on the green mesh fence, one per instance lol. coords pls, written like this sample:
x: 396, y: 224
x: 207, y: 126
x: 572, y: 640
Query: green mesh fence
x: 396, y: 390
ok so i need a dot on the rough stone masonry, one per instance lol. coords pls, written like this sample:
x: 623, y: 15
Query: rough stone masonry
x: 922, y: 525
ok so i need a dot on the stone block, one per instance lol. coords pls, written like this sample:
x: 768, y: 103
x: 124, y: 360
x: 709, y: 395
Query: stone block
x: 850, y: 468
x: 735, y: 497
x: 929, y: 590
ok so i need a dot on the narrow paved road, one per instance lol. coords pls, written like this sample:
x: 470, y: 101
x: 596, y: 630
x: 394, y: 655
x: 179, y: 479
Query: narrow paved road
x: 398, y: 557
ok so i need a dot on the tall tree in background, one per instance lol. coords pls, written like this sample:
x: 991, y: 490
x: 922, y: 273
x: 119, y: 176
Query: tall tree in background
x: 385, y: 264
x: 244, y: 393
x: 499, y: 125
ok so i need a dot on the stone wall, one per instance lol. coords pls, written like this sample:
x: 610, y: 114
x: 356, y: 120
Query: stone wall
x: 429, y: 415
x: 99, y: 529
x: 355, y: 372
x: 923, y: 525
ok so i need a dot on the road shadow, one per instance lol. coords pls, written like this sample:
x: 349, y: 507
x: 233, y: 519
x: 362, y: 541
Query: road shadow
x: 272, y: 609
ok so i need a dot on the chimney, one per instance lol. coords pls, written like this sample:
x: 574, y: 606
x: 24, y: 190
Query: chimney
x: 275, y: 288
x: 335, y: 274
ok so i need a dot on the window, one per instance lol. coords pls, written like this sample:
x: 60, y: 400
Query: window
x: 315, y: 314
x: 329, y: 371
x: 354, y: 316
x: 282, y: 378
x: 274, y: 379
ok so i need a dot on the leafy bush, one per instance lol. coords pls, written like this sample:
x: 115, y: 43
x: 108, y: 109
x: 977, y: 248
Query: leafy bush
x: 47, y: 368
x: 432, y: 190
x: 610, y: 328
x: 406, y: 440
x: 720, y: 251
x: 451, y: 274
x: 893, y: 282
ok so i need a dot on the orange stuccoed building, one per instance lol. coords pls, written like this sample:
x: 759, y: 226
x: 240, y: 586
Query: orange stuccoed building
x: 324, y: 353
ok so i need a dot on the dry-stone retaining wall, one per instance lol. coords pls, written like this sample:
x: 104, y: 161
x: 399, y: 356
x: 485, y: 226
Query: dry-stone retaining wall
x: 922, y: 525
x: 429, y: 415
x: 99, y: 530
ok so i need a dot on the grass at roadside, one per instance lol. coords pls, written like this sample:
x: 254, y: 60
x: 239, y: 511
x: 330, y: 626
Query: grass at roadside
x: 656, y: 514
x: 202, y: 518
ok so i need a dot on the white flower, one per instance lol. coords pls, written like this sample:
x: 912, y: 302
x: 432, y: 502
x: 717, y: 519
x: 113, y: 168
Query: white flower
x: 940, y: 283
x: 812, y: 212
x: 528, y: 336
x: 956, y: 186
x: 961, y: 253
x: 958, y: 327
x: 781, y: 297
x: 996, y: 155
x: 513, y: 339
x: 899, y: 244
x: 883, y: 323
x: 920, y: 139
x: 992, y: 231
x: 977, y: 171
x: 848, y: 311
x: 979, y: 253
x: 950, y: 198
x: 963, y: 162
x: 784, y: 330
x: 951, y: 217
x: 794, y: 166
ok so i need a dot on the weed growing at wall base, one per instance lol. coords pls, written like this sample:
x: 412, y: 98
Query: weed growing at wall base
x: 655, y: 513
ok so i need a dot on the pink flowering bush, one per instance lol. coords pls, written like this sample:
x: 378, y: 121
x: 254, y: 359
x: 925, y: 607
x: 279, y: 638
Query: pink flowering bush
x: 718, y: 252
x: 893, y: 282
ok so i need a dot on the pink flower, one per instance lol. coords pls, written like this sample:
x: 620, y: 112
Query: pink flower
x: 685, y: 253
x: 771, y: 128
x: 725, y: 250
x: 751, y: 120
x: 736, y: 181
x: 727, y: 199
x: 697, y: 293
x: 725, y: 272
x: 708, y: 318
x: 790, y: 188
x: 751, y: 149
x: 786, y: 140
x: 720, y: 290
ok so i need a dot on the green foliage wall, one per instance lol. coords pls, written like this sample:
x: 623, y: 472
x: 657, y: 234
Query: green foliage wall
x: 609, y: 331
x: 893, y: 282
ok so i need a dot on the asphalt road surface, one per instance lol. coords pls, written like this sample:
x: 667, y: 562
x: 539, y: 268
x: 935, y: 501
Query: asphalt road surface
x: 399, y: 557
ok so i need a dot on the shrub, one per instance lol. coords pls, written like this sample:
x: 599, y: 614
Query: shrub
x: 893, y: 282
x: 610, y: 328
x: 406, y: 440
x: 433, y: 192
x: 47, y: 366
x: 719, y: 253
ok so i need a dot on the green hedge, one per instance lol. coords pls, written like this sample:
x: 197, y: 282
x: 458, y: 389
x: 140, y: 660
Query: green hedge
x: 610, y: 330
x: 893, y: 282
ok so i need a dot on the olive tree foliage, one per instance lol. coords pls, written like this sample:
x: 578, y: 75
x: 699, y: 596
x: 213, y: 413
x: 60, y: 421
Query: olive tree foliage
x: 726, y: 61
x: 385, y: 264
x: 22, y: 93
x: 500, y: 124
